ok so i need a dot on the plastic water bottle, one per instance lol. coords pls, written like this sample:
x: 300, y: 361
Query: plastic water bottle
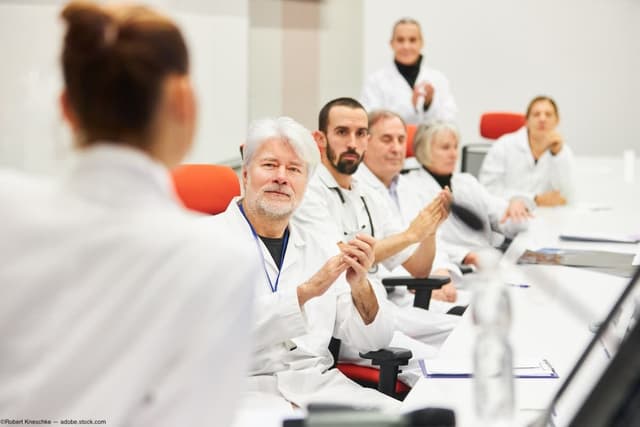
x: 492, y: 355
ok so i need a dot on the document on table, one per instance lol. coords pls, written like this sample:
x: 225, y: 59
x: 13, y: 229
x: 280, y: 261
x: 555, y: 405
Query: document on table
x: 616, y: 263
x: 462, y: 368
x: 600, y: 237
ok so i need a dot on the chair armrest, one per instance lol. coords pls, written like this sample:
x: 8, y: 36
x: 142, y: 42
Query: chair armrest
x: 422, y: 287
x: 389, y: 359
x: 389, y: 355
x: 415, y: 283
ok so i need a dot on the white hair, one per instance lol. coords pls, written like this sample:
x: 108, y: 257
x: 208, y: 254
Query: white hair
x: 424, y: 139
x: 287, y: 129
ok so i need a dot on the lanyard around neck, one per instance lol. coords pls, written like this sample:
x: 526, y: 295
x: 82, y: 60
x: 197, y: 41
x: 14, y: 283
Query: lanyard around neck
x: 273, y: 286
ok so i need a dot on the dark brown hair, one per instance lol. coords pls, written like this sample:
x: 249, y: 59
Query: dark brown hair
x: 542, y: 98
x: 115, y: 61
x: 323, y: 117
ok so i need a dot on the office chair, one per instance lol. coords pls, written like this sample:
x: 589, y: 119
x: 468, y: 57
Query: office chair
x: 492, y: 126
x: 389, y: 360
x: 411, y: 134
x: 205, y: 188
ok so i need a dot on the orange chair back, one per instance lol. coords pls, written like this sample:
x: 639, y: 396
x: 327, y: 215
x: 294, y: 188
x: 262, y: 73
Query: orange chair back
x: 411, y: 134
x: 495, y: 124
x: 206, y: 188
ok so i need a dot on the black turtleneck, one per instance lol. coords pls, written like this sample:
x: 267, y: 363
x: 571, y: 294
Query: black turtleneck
x: 409, y: 72
x: 443, y: 180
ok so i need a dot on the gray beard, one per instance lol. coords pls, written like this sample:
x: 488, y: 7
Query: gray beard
x: 272, y: 212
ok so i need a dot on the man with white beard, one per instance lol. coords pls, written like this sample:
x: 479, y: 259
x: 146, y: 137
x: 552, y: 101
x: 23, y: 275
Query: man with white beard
x: 311, y: 289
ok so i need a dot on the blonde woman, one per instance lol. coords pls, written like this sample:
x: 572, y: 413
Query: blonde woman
x: 408, y: 86
x: 437, y: 150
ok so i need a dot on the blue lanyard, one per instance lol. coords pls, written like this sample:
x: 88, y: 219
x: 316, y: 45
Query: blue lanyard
x: 274, y: 287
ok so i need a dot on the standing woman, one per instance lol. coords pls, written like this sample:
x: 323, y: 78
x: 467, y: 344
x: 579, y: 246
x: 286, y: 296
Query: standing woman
x: 437, y: 150
x: 111, y: 303
x: 408, y: 87
x: 533, y: 162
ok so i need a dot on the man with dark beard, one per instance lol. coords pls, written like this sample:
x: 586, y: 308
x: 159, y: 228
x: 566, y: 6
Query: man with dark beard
x: 336, y: 206
x: 339, y: 208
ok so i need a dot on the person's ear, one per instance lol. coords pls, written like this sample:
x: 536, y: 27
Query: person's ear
x: 321, y: 140
x: 181, y: 99
x: 68, y: 113
x: 244, y: 177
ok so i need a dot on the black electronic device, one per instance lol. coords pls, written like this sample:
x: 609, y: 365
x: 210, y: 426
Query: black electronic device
x: 603, y: 388
x: 344, y: 416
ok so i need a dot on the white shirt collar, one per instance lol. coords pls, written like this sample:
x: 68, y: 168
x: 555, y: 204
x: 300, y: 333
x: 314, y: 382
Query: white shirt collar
x: 112, y: 167
x: 327, y: 179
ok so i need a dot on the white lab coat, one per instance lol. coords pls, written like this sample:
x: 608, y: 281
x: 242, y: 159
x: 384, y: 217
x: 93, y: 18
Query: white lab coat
x: 291, y: 356
x: 387, y: 89
x: 458, y: 240
x: 323, y: 209
x: 405, y: 211
x: 112, y: 305
x: 509, y: 169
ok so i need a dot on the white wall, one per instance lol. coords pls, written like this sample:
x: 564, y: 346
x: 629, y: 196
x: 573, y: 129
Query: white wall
x: 498, y: 54
x: 32, y: 135
x: 303, y: 54
x: 265, y: 58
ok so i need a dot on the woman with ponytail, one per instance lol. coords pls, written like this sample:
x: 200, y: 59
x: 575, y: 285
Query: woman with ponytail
x: 112, y: 307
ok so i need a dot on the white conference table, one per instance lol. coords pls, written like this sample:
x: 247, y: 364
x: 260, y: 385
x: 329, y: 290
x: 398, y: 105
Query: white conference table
x: 541, y: 325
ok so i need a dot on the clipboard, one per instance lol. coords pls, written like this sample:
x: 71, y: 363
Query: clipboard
x: 458, y: 368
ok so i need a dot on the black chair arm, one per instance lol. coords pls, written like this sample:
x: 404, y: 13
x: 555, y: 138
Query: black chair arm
x: 422, y: 287
x: 389, y: 359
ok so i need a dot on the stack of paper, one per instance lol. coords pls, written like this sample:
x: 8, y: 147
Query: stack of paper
x: 462, y: 368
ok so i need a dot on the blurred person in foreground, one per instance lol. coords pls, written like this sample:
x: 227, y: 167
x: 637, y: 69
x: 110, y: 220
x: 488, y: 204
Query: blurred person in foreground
x: 111, y: 307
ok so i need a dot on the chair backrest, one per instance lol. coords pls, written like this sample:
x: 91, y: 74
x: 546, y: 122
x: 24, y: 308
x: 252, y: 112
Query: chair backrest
x: 206, y: 188
x: 472, y: 157
x: 495, y: 124
x: 411, y: 134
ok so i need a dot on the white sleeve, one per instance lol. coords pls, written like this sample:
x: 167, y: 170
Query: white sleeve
x: 562, y: 173
x: 443, y: 105
x: 278, y: 317
x: 212, y: 325
x: 442, y: 261
x: 495, y: 206
x: 372, y: 97
x: 387, y: 225
x: 349, y: 324
x: 493, y: 173
x: 454, y: 251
